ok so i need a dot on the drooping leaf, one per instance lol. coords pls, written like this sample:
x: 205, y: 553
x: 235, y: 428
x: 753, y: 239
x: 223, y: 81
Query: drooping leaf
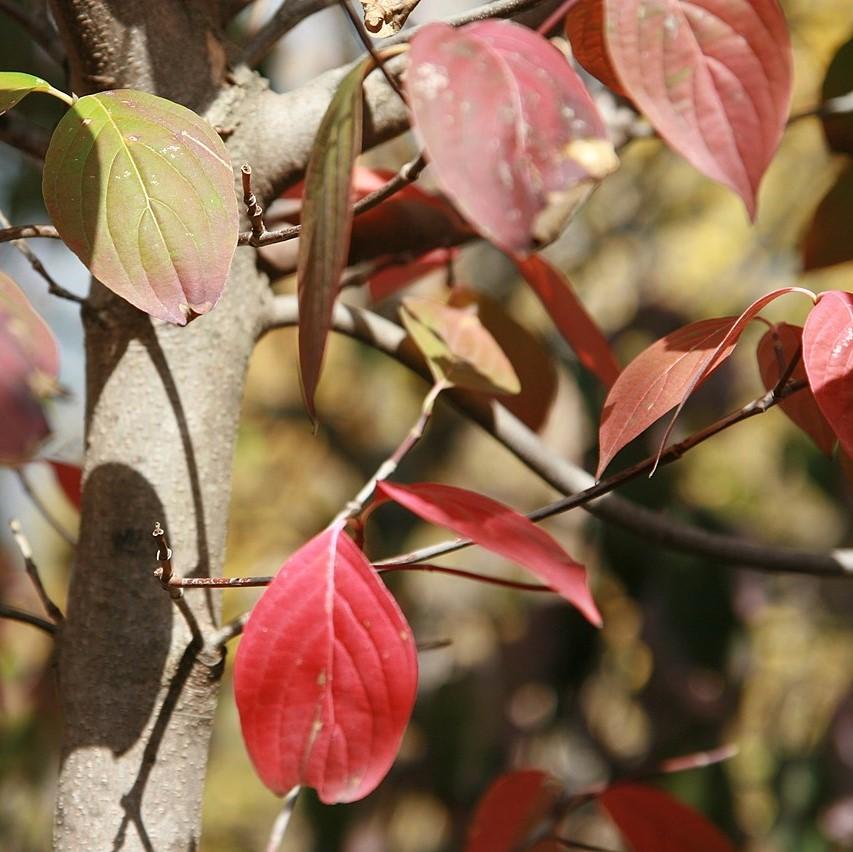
x: 585, y: 31
x: 327, y: 223
x: 510, y: 809
x: 713, y: 78
x: 776, y: 348
x: 70, y: 479
x: 545, y: 145
x: 142, y: 191
x: 503, y: 531
x: 15, y: 86
x: 664, y: 375
x: 828, y: 356
x: 532, y: 363
x: 571, y: 319
x: 838, y: 83
x: 457, y: 346
x: 827, y: 241
x: 325, y: 674
x: 29, y: 365
x: 651, y: 820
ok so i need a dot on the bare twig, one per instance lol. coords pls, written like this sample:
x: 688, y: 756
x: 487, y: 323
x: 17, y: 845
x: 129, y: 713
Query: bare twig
x: 279, y: 827
x: 228, y: 631
x: 568, y: 478
x: 21, y: 232
x: 163, y: 572
x: 50, y: 607
x: 38, y: 27
x: 253, y: 206
x: 385, y: 566
x: 54, y: 288
x: 15, y: 614
x: 42, y: 509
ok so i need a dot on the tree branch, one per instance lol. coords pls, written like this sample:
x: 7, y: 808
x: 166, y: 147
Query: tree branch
x: 568, y: 478
x: 15, y: 614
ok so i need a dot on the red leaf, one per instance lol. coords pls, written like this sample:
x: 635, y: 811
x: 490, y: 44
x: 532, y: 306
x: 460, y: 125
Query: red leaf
x: 573, y: 322
x: 325, y: 674
x: 503, y: 531
x: 388, y: 281
x: 828, y: 356
x: 664, y: 376
x: 69, y: 477
x: 713, y: 78
x: 653, y: 821
x: 545, y: 143
x: 585, y: 31
x: 827, y: 241
x: 510, y: 810
x: 775, y: 350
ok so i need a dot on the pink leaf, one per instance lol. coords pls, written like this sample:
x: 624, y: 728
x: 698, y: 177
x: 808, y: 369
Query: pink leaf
x: 653, y: 821
x: 779, y: 345
x: 503, y: 531
x: 544, y: 146
x: 828, y: 356
x: 326, y: 673
x: 712, y: 76
x: 585, y: 31
x: 569, y: 315
x: 510, y: 810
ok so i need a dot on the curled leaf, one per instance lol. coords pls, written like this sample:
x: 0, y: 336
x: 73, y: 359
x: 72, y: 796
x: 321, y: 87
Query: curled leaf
x: 142, y: 191
x: 15, y: 86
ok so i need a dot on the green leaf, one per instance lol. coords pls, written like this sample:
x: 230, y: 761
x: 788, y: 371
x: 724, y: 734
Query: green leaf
x: 327, y: 223
x: 15, y: 86
x: 142, y: 190
x: 457, y: 346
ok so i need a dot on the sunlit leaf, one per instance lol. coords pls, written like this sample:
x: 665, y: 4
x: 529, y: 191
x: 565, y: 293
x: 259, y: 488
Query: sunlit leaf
x: 838, y: 83
x: 503, y: 531
x: 457, y: 346
x: 142, y: 190
x: 326, y: 223
x: 511, y: 808
x: 576, y: 326
x: 15, y: 86
x: 827, y: 240
x: 776, y: 349
x: 713, y: 78
x: 543, y: 143
x: 325, y: 674
x: 651, y: 820
x: 828, y: 356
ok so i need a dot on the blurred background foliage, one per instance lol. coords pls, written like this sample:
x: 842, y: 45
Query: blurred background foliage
x: 693, y: 653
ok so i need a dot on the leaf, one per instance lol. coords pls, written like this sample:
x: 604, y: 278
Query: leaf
x: 326, y: 223
x: 70, y: 479
x: 29, y: 365
x: 457, y: 346
x: 827, y: 241
x: 713, y: 78
x: 15, y: 86
x: 511, y: 809
x: 776, y: 348
x: 142, y: 191
x: 394, y: 278
x: 585, y: 31
x: 325, y: 674
x: 653, y: 821
x: 838, y: 83
x: 503, y: 531
x: 576, y: 326
x: 545, y: 143
x: 828, y: 356
x: 664, y: 375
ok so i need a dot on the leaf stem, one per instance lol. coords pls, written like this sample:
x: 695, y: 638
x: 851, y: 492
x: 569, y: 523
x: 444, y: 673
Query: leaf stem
x: 63, y: 96
x: 23, y: 545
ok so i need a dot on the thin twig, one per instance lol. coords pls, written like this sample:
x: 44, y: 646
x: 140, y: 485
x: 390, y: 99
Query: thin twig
x: 465, y: 575
x: 229, y: 631
x: 42, y: 509
x: 15, y: 614
x: 163, y: 572
x: 253, y: 207
x: 38, y: 27
x: 53, y: 287
x: 23, y: 545
x: 279, y: 827
x: 21, y: 232
x: 408, y: 173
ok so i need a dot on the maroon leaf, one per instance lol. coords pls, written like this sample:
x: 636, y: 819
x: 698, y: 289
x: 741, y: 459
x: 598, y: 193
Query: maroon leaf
x: 713, y: 78
x: 511, y: 808
x: 29, y: 365
x: 585, y: 31
x: 828, y: 356
x: 390, y: 280
x: 827, y: 241
x: 779, y: 345
x: 545, y: 143
x: 653, y: 821
x: 325, y: 674
x: 70, y: 479
x: 573, y: 322
x: 503, y: 531
x: 838, y: 83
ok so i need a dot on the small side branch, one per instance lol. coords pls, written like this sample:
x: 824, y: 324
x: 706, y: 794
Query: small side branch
x: 14, y: 614
x: 23, y: 545
x: 253, y: 208
x: 163, y: 573
x: 22, y: 232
